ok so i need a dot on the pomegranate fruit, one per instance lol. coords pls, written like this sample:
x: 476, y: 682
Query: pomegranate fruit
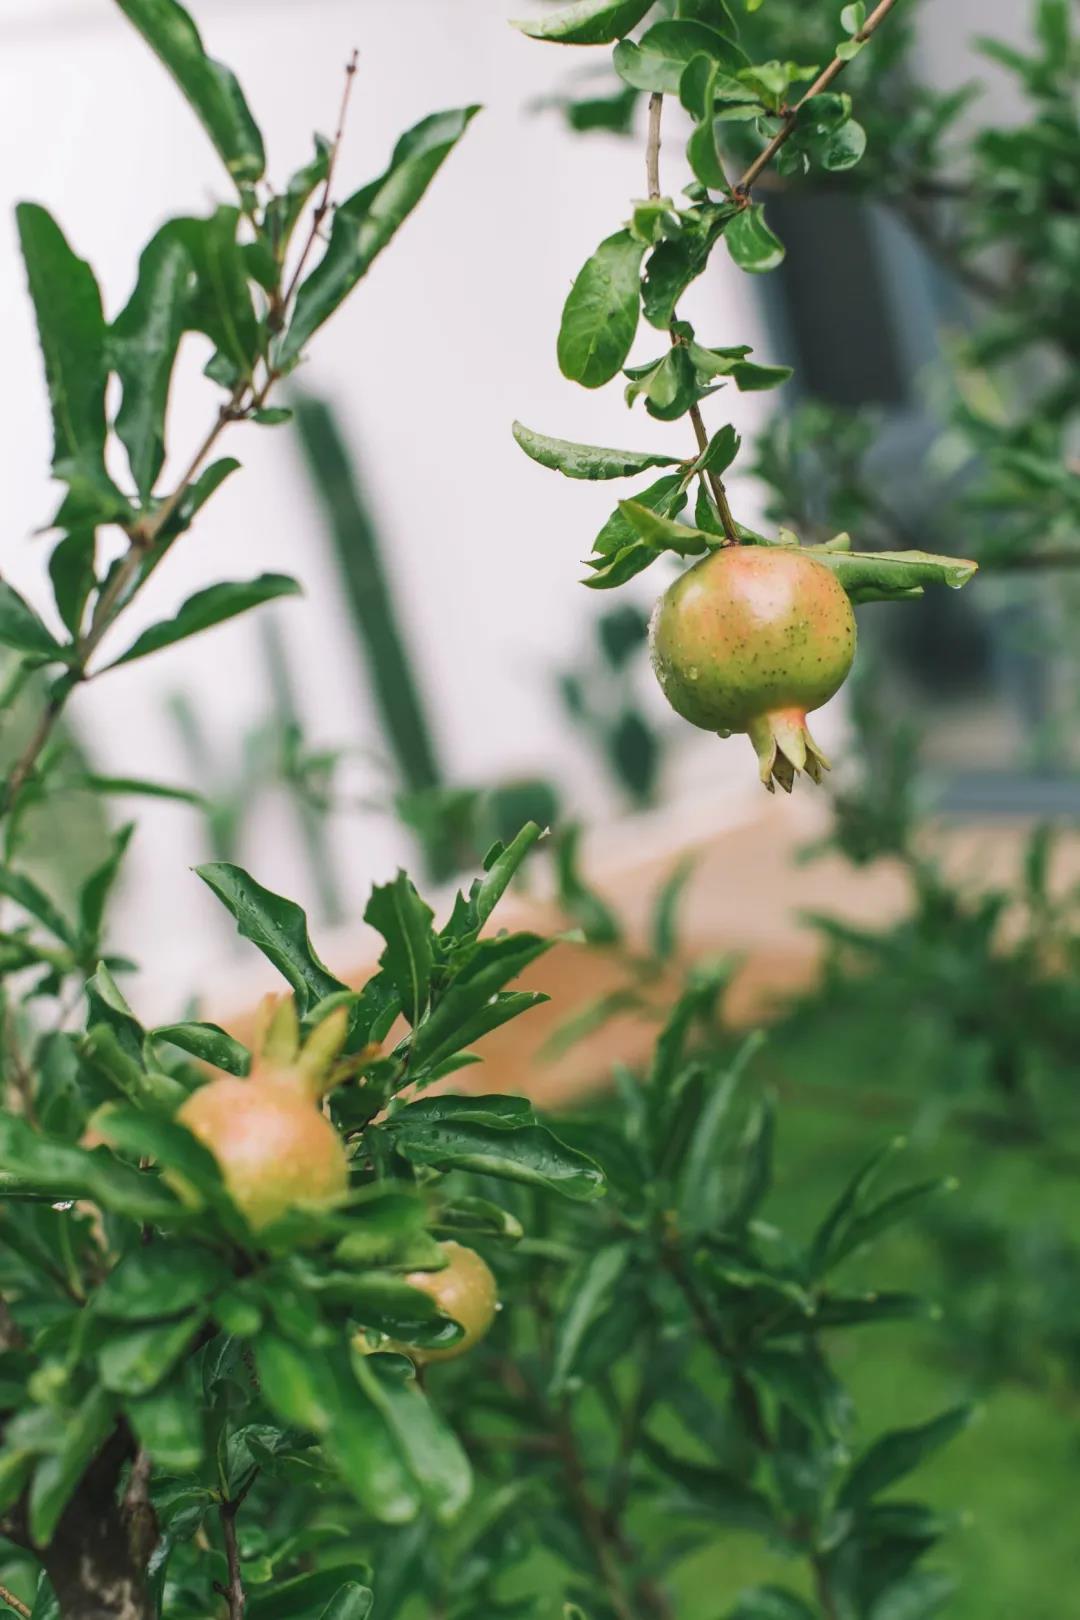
x: 275, y: 1146
x: 465, y: 1291
x: 751, y: 639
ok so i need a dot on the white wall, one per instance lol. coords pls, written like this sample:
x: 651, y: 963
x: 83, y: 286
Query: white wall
x: 449, y: 339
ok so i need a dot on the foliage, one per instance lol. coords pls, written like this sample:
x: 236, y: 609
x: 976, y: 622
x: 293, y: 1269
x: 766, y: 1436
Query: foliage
x: 201, y: 1420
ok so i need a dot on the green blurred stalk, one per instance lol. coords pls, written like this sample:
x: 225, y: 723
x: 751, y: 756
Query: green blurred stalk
x: 393, y: 680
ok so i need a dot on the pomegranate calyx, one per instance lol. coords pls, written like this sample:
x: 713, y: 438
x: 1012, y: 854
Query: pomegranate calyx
x: 784, y: 747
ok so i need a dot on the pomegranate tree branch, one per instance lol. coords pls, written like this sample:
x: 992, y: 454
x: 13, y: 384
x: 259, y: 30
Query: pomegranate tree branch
x: 822, y: 82
x: 322, y: 207
x: 234, y: 1591
x: 710, y: 481
x: 13, y: 1602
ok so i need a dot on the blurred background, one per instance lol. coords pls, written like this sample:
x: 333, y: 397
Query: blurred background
x: 444, y: 675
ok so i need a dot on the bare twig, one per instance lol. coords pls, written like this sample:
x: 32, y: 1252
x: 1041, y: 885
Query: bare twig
x: 322, y: 207
x: 822, y: 82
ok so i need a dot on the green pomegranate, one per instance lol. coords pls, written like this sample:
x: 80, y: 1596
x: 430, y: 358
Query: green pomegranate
x: 276, y: 1148
x: 465, y: 1291
x: 751, y: 639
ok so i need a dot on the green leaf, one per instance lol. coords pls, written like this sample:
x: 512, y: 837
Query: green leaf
x: 705, y: 1189
x: 278, y: 927
x: 71, y: 328
x: 90, y: 782
x: 670, y: 386
x: 350, y: 1602
x: 893, y: 576
x: 283, y: 211
x: 667, y: 497
x: 487, y: 891
x: 751, y: 243
x: 898, y: 1454
x: 589, y: 1296
x: 160, y: 1280
x: 291, y: 1383
x: 169, y: 1425
x: 215, y: 605
x: 209, y: 1043
x: 600, y: 316
x: 95, y: 891
x: 844, y: 147
x: 657, y: 62
x: 135, y: 1362
x: 33, y: 899
x: 770, y: 1603
x: 21, y: 628
x: 364, y: 224
x: 463, y: 1011
x: 463, y: 1133
x: 431, y: 1451
x: 404, y: 921
x: 142, y: 347
x: 587, y: 460
x: 919, y: 1595
x: 57, y: 1476
x: 323, y: 1592
x: 72, y: 573
x: 853, y: 17
x: 715, y: 1491
x: 211, y: 90
x: 588, y: 22
x: 674, y: 264
x: 663, y: 938
x: 720, y: 451
x: 220, y: 305
x: 665, y: 534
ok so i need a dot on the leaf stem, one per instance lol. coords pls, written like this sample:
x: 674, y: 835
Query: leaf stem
x: 822, y: 82
x: 710, y: 482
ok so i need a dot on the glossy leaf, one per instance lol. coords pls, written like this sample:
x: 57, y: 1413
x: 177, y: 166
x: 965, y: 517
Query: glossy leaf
x: 160, y: 1280
x: 211, y: 89
x: 71, y: 328
x: 278, y: 927
x: 283, y: 211
x: 209, y: 1043
x: 600, y: 316
x: 433, y: 1454
x: 323, y: 1592
x: 590, y: 461
x: 587, y: 22
x: 674, y: 264
x: 142, y: 345
x: 404, y: 921
x: 751, y: 243
x: 464, y: 1009
x: 220, y: 304
x: 891, y: 576
x: 770, y: 1603
x: 215, y: 605
x: 659, y: 59
x: 364, y: 224
x: 667, y: 497
x: 665, y: 534
x: 134, y: 1361
x: 72, y: 574
x: 491, y: 1137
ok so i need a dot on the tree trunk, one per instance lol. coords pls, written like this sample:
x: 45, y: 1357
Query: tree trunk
x: 90, y: 1561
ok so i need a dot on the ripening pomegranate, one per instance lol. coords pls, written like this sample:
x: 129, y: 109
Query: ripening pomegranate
x: 465, y: 1291
x: 275, y: 1146
x: 751, y: 639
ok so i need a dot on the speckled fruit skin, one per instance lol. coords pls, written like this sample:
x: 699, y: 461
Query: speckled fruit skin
x: 465, y: 1291
x: 750, y: 639
x: 275, y: 1147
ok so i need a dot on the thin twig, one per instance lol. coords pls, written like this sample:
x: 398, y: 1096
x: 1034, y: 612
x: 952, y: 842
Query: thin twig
x: 710, y: 481
x: 234, y: 1591
x: 822, y: 82
x: 322, y: 207
x: 13, y: 1602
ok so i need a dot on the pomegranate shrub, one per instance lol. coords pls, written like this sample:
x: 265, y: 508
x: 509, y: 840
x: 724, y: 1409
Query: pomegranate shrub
x: 287, y: 1331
